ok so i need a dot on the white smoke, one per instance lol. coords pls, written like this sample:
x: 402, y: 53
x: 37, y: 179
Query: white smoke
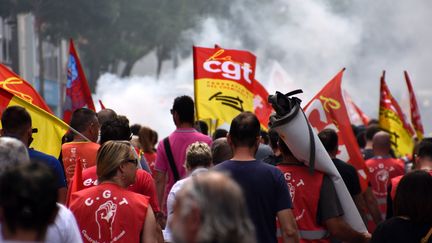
x: 311, y: 39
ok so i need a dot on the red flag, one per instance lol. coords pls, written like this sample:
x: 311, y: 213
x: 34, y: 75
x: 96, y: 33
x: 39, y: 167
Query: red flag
x: 77, y: 181
x: 14, y: 84
x: 392, y: 120
x: 327, y: 110
x: 356, y: 115
x: 262, y: 108
x: 77, y: 90
x: 102, y: 105
x: 415, y: 111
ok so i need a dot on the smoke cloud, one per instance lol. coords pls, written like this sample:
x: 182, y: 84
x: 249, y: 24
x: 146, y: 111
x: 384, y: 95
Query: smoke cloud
x: 311, y: 39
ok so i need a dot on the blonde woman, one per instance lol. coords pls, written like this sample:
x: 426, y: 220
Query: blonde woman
x: 109, y: 212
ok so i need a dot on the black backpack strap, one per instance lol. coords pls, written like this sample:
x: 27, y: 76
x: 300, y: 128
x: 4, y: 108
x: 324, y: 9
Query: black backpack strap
x: 171, y: 159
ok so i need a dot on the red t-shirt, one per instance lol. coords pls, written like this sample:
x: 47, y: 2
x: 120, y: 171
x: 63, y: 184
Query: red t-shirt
x: 85, y: 151
x: 109, y: 213
x: 381, y: 171
x: 143, y: 185
x: 151, y: 161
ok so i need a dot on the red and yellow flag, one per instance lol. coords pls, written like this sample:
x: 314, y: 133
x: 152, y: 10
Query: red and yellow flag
x: 415, y: 111
x: 50, y: 129
x: 392, y: 120
x: 225, y: 85
x: 327, y: 110
x: 14, y: 84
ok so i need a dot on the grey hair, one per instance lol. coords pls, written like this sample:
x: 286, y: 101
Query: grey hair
x: 12, y: 152
x: 224, y: 216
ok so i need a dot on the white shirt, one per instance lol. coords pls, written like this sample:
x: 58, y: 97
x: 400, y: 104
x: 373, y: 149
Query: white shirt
x: 63, y: 230
x: 171, y: 199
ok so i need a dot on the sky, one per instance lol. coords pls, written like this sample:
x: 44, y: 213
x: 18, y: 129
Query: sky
x: 311, y: 41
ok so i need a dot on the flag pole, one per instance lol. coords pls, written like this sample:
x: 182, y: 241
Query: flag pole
x: 79, y: 134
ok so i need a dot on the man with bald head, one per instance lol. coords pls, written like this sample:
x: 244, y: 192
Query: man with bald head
x: 382, y: 168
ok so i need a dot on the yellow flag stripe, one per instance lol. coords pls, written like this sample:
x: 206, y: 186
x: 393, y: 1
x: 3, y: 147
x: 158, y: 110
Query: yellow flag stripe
x: 50, y: 128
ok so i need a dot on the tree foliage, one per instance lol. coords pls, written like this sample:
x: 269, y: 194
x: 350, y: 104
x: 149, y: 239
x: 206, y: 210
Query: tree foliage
x: 110, y: 32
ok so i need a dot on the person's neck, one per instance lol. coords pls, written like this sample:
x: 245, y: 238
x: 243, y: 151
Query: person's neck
x: 116, y: 180
x: 368, y: 145
x: 244, y: 154
x: 290, y: 159
x: 19, y: 235
x: 185, y: 125
x: 381, y: 153
x: 78, y: 138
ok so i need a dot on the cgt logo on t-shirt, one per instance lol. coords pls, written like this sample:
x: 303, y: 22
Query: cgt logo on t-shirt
x: 105, y: 216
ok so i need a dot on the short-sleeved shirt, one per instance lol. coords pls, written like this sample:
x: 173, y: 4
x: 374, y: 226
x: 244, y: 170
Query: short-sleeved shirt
x: 329, y: 205
x: 52, y: 163
x: 179, y: 140
x: 349, y: 176
x: 85, y: 151
x: 265, y: 191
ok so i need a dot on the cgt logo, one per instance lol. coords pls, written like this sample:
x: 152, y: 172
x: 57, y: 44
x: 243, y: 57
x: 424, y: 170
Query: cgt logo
x: 229, y: 68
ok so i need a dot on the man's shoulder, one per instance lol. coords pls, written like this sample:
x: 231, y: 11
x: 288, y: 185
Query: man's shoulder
x: 38, y: 155
x: 256, y: 164
x: 190, y: 133
x: 344, y: 165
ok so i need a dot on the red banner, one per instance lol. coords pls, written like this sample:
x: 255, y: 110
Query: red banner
x: 14, y: 84
x: 356, y: 115
x: 78, y: 93
x: 327, y: 110
x: 415, y: 111
x: 262, y: 108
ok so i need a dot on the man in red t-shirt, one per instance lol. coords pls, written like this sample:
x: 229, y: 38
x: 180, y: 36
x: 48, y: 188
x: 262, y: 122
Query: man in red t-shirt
x: 382, y: 168
x: 83, y: 148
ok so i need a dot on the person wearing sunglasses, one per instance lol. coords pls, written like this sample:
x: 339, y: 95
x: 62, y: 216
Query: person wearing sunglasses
x: 108, y: 211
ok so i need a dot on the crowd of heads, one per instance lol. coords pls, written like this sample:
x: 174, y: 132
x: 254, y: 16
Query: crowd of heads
x: 211, y: 206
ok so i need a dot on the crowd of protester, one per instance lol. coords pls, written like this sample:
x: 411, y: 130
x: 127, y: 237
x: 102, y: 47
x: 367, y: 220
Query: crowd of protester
x: 116, y: 182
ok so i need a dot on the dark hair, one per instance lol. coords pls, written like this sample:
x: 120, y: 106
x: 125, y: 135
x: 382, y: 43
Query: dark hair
x: 244, y: 130
x: 135, y: 129
x: 221, y: 150
x: 28, y: 195
x: 361, y: 139
x: 414, y: 197
x: 15, y: 120
x: 273, y: 138
x: 329, y: 139
x: 105, y: 115
x: 219, y: 133
x: 202, y: 127
x: 424, y: 148
x: 371, y: 130
x: 155, y: 139
x: 116, y: 129
x: 184, y: 106
x: 82, y: 118
x: 265, y: 137
x: 146, y: 138
x: 373, y: 121
x: 284, y: 148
